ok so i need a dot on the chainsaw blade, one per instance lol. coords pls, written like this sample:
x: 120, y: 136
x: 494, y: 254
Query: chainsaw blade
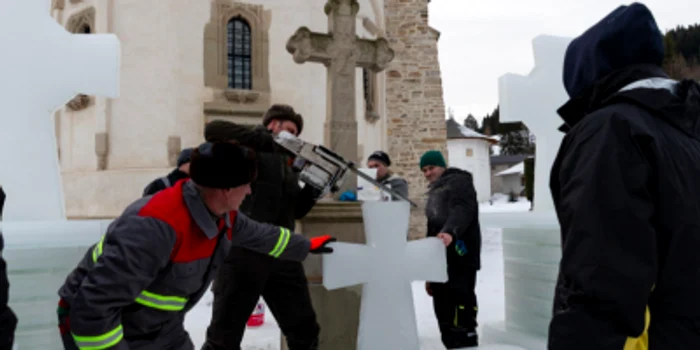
x: 352, y: 168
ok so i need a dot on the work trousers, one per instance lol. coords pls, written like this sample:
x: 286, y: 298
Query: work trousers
x: 172, y: 336
x: 243, y: 278
x: 456, y: 309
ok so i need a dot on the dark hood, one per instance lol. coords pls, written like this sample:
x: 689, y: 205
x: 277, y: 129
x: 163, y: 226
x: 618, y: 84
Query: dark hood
x: 575, y: 109
x: 449, y: 174
x: 626, y: 37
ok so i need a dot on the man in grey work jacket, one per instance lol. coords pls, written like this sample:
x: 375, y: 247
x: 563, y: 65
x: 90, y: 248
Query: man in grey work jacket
x: 380, y: 160
x: 133, y: 288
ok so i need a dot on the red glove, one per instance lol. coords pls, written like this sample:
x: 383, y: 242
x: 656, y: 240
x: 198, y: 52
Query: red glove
x: 318, y: 244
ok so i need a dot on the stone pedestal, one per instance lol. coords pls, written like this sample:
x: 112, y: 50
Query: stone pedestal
x: 337, y: 311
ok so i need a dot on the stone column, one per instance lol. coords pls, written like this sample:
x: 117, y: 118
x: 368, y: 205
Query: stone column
x: 414, y: 105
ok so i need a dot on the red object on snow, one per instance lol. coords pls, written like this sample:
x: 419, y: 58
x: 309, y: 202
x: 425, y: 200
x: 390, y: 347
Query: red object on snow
x: 257, y: 319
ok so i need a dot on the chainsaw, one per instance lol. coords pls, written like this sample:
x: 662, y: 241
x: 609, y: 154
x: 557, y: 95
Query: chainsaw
x: 322, y: 168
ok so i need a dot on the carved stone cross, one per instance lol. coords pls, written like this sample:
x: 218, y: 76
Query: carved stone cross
x: 341, y: 51
x: 41, y: 67
x: 534, y: 100
x: 386, y: 266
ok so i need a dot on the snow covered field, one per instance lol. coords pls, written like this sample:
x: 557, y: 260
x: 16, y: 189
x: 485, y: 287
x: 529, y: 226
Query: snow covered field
x: 489, y: 293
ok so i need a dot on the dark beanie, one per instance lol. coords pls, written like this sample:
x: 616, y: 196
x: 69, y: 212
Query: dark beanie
x: 283, y: 112
x: 433, y: 158
x: 223, y: 165
x: 380, y: 156
x: 184, y: 157
x: 626, y: 37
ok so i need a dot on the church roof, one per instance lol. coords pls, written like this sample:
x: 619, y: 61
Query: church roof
x: 517, y: 169
x: 459, y: 131
x: 507, y: 159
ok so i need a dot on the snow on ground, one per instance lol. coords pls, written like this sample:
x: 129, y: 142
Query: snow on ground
x: 499, y: 204
x: 489, y: 293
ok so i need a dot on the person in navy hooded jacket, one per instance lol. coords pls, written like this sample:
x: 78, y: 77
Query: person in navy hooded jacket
x: 626, y: 188
x: 8, y: 319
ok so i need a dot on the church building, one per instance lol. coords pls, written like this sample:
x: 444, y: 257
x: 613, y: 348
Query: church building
x: 184, y: 63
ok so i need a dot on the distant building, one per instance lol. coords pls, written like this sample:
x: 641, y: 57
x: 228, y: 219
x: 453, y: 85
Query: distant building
x: 469, y: 150
x: 513, y: 179
x: 500, y: 164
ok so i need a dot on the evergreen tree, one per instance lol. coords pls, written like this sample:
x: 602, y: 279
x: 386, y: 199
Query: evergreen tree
x: 496, y: 119
x: 682, y: 56
x: 486, y: 125
x: 516, y: 142
x: 471, y: 123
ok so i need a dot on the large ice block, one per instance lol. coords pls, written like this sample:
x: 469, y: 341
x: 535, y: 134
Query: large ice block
x: 43, y: 66
x: 531, y: 255
x: 39, y: 256
x: 386, y: 266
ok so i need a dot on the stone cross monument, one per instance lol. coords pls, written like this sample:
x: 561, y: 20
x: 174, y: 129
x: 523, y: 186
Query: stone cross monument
x: 342, y: 52
x: 42, y: 66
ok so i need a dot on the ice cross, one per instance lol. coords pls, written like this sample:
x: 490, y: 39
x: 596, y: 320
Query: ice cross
x: 386, y: 266
x: 341, y: 51
x: 41, y: 67
x: 534, y: 100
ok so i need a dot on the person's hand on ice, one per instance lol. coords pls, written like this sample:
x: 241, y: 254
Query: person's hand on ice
x: 318, y: 244
x: 445, y: 237
x: 428, y: 289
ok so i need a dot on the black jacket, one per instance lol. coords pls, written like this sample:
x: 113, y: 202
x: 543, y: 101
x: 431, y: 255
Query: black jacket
x: 277, y: 197
x: 162, y: 183
x: 452, y: 208
x: 8, y: 320
x: 2, y: 200
x: 625, y: 185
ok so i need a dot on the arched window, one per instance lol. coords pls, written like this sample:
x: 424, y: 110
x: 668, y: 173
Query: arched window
x: 239, y: 57
x: 368, y: 86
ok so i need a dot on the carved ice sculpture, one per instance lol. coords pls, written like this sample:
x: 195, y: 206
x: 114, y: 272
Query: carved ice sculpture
x: 386, y: 266
x: 534, y: 100
x: 41, y: 67
x: 531, y: 245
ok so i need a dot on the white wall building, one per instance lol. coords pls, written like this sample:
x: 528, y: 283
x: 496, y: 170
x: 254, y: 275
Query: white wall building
x: 513, y: 179
x: 469, y: 150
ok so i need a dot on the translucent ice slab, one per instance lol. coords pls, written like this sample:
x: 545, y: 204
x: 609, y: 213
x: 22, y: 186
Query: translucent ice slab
x: 39, y: 257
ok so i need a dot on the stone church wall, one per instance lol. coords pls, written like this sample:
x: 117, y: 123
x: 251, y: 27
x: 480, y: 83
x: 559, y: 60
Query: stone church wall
x: 415, y: 106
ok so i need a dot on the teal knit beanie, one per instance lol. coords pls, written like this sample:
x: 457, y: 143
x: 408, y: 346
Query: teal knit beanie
x: 433, y: 158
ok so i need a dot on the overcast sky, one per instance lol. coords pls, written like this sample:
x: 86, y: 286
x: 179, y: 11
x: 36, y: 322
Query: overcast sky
x: 482, y: 40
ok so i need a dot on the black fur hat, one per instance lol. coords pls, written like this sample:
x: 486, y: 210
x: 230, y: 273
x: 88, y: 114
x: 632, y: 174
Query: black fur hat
x: 223, y: 165
x: 283, y: 112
